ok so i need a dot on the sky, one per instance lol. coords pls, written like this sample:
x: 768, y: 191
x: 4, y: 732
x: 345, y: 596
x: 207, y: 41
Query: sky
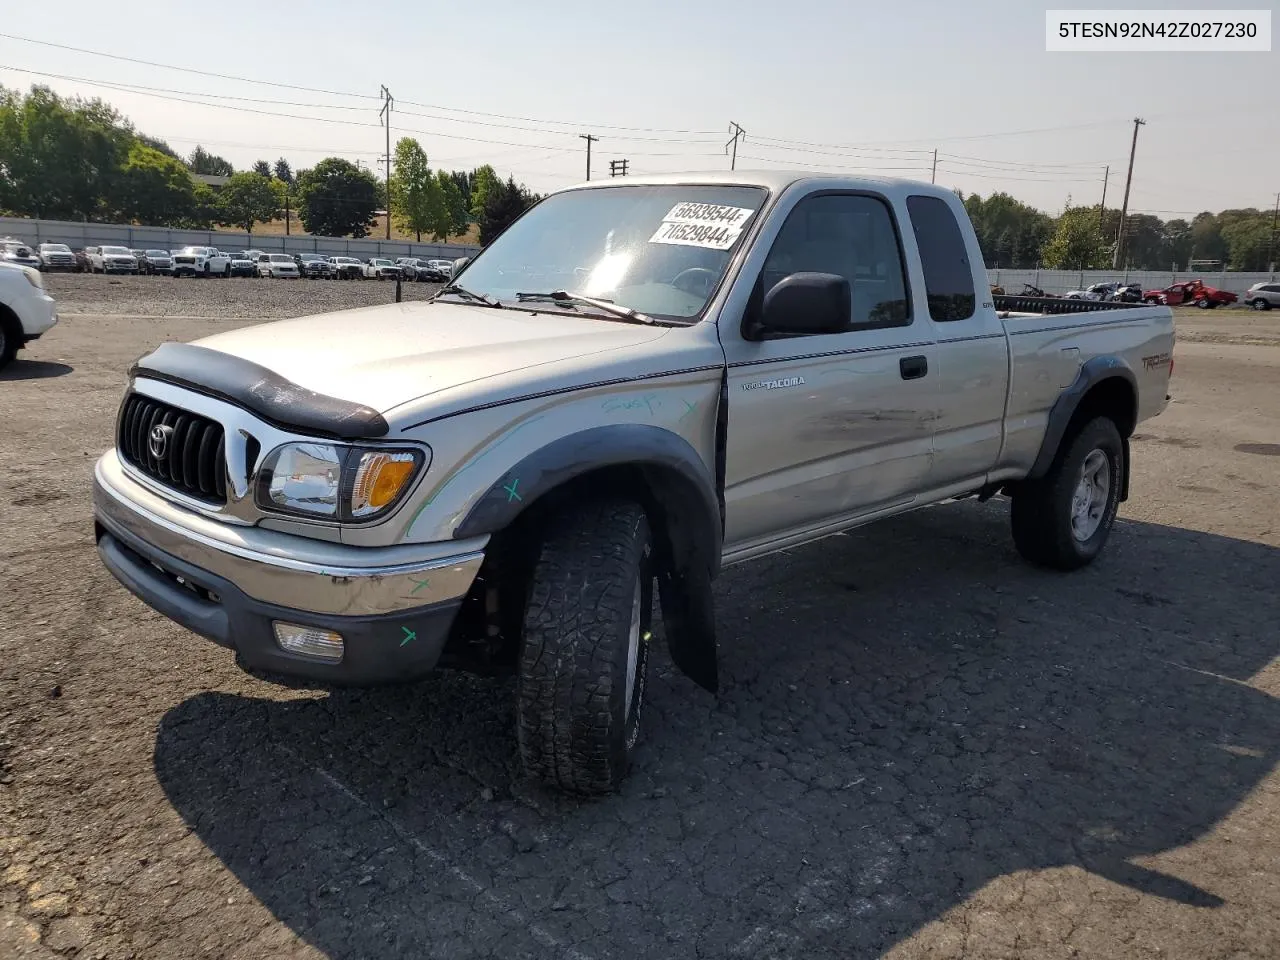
x: 816, y: 84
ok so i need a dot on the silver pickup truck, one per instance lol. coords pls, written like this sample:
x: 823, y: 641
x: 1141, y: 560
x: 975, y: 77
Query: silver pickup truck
x: 636, y: 384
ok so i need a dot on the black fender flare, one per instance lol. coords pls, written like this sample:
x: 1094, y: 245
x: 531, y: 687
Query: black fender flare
x: 1092, y: 372
x: 684, y: 492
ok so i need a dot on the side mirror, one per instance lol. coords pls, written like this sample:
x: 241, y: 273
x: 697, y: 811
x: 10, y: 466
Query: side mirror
x: 805, y: 304
x: 459, y: 264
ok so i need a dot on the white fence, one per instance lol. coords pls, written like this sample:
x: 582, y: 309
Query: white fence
x: 1062, y: 281
x: 100, y: 234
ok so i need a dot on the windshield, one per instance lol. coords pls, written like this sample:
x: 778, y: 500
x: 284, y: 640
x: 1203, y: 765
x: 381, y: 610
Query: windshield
x: 280, y: 258
x: 660, y: 250
x: 55, y: 248
x: 117, y: 252
x: 157, y: 253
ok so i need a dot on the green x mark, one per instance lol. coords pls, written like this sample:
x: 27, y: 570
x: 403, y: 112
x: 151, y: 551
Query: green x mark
x: 689, y: 408
x: 511, y: 491
x: 408, y: 635
x: 421, y: 585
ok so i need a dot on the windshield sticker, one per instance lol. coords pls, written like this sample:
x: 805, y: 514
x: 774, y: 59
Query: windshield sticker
x: 708, y: 225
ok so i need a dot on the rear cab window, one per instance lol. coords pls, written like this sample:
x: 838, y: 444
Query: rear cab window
x: 948, y: 275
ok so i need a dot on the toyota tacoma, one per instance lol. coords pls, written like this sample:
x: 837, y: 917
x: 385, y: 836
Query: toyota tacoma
x: 632, y: 387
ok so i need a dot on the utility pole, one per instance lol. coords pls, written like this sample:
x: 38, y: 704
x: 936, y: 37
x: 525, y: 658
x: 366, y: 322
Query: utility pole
x: 286, y: 213
x: 618, y: 168
x: 385, y: 114
x: 933, y: 176
x: 1102, y: 207
x: 1275, y: 216
x: 1124, y: 206
x: 590, y: 140
x: 737, y: 132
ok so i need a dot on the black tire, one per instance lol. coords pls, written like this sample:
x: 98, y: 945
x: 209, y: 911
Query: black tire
x: 1043, y: 510
x: 10, y: 339
x: 1204, y: 303
x: 1261, y: 304
x: 591, y: 588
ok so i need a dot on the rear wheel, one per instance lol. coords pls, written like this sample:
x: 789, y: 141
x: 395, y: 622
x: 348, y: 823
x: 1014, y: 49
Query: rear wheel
x: 1204, y: 303
x: 585, y: 652
x: 1260, y: 304
x: 1063, y: 519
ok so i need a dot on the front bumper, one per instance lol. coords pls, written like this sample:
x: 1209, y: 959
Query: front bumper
x: 229, y: 584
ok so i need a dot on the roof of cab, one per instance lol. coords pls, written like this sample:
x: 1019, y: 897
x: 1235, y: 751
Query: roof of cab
x: 775, y: 180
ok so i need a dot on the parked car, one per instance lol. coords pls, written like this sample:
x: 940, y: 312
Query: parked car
x: 315, y: 267
x: 1263, y: 296
x: 377, y: 268
x: 17, y: 253
x: 138, y: 255
x: 112, y: 260
x: 277, y: 266
x: 1098, y: 291
x: 82, y: 261
x: 201, y: 262
x: 347, y: 268
x: 156, y: 261
x: 26, y: 311
x: 408, y: 267
x: 56, y: 256
x: 243, y: 265
x: 719, y: 395
x: 441, y: 270
x: 1190, y: 291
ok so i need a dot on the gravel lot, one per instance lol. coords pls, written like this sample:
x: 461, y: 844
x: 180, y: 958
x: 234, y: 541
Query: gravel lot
x: 923, y: 748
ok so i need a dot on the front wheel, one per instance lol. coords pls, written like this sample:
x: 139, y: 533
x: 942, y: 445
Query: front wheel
x: 586, y: 644
x: 1063, y: 519
x: 1261, y: 304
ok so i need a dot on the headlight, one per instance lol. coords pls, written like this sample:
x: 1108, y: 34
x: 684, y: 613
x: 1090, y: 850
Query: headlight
x: 337, y: 482
x: 33, y: 277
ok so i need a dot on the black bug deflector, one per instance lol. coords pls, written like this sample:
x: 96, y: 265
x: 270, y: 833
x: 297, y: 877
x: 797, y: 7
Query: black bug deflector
x: 263, y: 392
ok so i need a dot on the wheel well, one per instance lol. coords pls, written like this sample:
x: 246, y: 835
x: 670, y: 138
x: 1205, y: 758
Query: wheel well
x: 486, y: 634
x: 1113, y: 398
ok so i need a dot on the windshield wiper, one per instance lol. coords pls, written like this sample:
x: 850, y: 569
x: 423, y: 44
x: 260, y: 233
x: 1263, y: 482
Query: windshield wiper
x: 572, y: 299
x: 466, y: 294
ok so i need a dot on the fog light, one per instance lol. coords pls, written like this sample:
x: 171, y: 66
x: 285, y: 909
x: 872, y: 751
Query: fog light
x: 309, y: 641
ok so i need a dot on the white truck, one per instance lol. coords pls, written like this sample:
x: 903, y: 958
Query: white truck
x: 26, y: 311
x: 638, y: 383
x: 201, y: 262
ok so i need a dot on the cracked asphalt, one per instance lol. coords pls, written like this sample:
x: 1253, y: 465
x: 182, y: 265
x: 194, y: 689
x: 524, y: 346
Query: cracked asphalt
x: 923, y: 748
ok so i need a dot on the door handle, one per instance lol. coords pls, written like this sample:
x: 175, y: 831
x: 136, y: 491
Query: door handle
x: 913, y: 368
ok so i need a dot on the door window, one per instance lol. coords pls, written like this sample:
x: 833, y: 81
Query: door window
x: 852, y: 236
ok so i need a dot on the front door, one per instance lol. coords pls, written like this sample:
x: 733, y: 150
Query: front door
x: 827, y: 427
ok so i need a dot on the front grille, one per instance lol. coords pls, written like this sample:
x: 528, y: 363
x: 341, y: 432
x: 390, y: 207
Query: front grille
x: 193, y: 462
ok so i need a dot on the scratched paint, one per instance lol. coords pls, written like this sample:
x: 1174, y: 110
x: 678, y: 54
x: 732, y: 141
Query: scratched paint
x: 648, y: 403
x: 471, y: 463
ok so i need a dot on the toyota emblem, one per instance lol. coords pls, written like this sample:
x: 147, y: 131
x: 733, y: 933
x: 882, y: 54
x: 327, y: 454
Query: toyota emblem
x: 158, y: 441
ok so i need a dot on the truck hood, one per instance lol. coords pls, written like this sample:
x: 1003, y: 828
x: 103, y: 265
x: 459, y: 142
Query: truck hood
x: 387, y: 356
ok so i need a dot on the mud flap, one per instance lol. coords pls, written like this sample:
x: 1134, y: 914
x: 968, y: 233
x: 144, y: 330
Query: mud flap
x: 688, y: 616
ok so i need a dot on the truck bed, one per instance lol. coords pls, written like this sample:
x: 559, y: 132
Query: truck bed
x: 1010, y: 305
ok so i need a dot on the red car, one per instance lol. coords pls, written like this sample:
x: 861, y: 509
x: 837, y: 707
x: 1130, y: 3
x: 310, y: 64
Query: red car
x: 1190, y: 291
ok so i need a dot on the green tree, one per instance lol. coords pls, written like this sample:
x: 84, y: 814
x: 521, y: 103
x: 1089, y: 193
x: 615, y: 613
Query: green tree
x: 284, y: 173
x: 208, y: 164
x: 454, y: 206
x: 504, y: 203
x: 1178, y: 237
x: 249, y: 198
x: 337, y: 199
x: 262, y: 167
x: 415, y: 193
x: 204, y: 209
x: 482, y: 181
x: 1076, y: 243
x: 1248, y: 238
x: 1207, y: 242
x: 155, y: 143
x: 155, y: 188
x: 1010, y: 233
x: 1146, y: 245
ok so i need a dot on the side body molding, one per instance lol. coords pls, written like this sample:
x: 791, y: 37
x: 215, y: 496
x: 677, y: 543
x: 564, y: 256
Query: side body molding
x: 1092, y: 372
